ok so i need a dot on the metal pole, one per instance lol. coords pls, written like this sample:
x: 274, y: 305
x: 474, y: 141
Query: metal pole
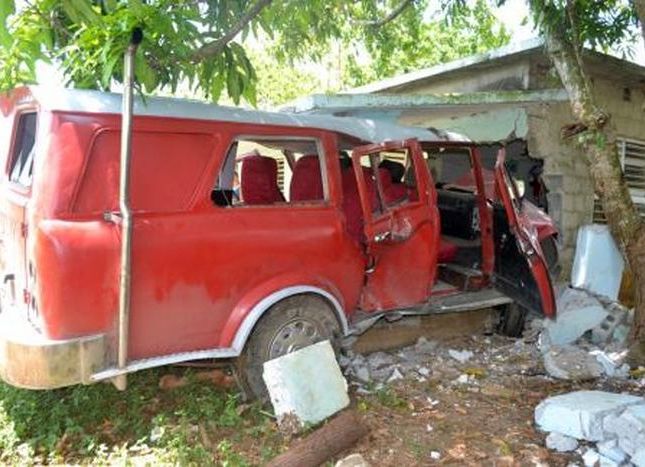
x: 124, y: 207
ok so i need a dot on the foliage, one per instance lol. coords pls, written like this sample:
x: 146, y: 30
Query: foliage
x: 473, y: 29
x: 197, y: 42
x: 98, y: 424
x: 599, y: 24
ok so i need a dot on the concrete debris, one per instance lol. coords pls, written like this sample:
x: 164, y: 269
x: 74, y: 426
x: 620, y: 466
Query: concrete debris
x: 462, y: 356
x: 580, y: 414
x: 578, y: 312
x: 588, y: 324
x: 306, y: 385
x: 591, y: 458
x: 598, y: 264
x: 612, y: 363
x: 616, y: 422
x: 571, y: 363
x: 610, y: 450
x: 561, y: 443
x: 353, y: 460
x: 638, y: 459
x: 395, y: 376
x: 629, y: 428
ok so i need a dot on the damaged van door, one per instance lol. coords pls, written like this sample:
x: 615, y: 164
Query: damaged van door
x: 401, y: 226
x: 521, y: 271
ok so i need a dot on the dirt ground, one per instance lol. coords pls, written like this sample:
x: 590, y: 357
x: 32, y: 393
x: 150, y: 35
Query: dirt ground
x: 487, y: 420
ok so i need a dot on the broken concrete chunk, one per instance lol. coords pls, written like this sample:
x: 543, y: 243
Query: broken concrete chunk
x: 610, y: 450
x: 424, y: 346
x: 578, y: 312
x: 591, y: 458
x: 628, y: 427
x: 561, y: 443
x: 598, y: 264
x: 572, y: 363
x: 580, y: 414
x: 395, y: 376
x: 462, y: 356
x: 353, y: 460
x: 306, y: 384
x: 612, y: 363
x: 638, y: 459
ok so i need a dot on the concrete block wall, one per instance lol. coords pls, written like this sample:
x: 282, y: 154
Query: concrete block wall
x: 566, y: 174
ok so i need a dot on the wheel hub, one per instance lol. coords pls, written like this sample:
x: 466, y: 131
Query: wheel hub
x: 292, y: 336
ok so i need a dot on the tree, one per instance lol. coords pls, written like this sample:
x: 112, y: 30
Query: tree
x: 209, y: 44
x: 567, y: 26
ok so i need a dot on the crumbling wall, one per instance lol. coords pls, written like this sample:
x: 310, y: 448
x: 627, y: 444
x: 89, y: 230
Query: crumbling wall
x: 566, y: 174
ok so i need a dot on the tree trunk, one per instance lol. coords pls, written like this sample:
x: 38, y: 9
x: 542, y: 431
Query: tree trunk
x: 339, y: 434
x: 598, y: 142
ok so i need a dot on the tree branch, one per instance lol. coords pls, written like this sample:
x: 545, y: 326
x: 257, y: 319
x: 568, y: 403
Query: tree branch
x: 391, y: 17
x: 639, y: 5
x: 213, y: 48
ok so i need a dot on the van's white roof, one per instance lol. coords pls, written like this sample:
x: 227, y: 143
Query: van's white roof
x: 71, y: 100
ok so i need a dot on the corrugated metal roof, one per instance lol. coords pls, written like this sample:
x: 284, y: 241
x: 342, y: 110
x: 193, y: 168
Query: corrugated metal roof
x: 101, y: 102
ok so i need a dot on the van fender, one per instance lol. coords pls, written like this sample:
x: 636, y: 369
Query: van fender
x: 237, y: 331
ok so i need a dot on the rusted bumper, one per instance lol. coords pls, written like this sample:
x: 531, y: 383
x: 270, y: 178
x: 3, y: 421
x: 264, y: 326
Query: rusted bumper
x: 30, y: 360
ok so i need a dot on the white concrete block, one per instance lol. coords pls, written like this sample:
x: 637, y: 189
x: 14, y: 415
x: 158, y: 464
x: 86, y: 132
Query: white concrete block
x: 580, y: 414
x: 610, y: 450
x: 307, y: 384
x: 598, y: 264
x: 638, y: 459
x: 561, y: 443
x: 628, y: 427
x: 578, y: 312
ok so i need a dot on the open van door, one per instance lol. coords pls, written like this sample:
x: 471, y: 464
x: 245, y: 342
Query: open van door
x: 521, y: 271
x: 401, y: 224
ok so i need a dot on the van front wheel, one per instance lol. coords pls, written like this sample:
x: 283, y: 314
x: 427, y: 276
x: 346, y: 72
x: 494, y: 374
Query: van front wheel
x: 289, y: 325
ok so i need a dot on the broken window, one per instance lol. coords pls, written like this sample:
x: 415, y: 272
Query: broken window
x: 267, y: 170
x: 632, y: 159
x: 22, y: 160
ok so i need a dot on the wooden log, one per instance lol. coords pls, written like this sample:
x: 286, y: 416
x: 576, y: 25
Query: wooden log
x: 327, y: 441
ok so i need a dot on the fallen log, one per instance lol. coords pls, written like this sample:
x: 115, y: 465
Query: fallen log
x: 327, y: 441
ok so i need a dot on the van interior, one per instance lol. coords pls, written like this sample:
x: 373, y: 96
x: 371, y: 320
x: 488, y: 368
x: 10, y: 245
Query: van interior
x: 280, y: 171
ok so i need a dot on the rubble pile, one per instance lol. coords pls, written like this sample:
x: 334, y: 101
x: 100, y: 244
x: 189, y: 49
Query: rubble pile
x: 486, y: 357
x: 606, y: 429
x: 588, y: 338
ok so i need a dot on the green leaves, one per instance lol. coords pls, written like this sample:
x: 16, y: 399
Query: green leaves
x: 7, y: 8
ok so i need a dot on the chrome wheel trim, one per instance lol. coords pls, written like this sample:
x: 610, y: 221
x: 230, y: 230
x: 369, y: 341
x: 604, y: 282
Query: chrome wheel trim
x: 294, y: 335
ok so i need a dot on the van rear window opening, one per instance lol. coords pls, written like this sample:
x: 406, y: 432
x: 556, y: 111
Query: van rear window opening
x: 22, y: 160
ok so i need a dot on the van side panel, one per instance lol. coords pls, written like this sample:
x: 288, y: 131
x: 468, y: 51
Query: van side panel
x: 74, y: 259
x: 193, y: 263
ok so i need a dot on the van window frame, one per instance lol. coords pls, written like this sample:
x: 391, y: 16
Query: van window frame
x: 13, y: 146
x: 231, y: 152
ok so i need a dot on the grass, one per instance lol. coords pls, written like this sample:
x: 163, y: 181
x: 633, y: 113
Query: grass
x: 198, y: 424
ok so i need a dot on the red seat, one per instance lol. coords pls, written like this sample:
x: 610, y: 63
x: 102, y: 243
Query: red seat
x: 352, y: 205
x: 306, y: 181
x: 259, y: 182
x: 447, y: 251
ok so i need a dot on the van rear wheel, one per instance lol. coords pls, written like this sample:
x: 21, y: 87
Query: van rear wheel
x: 289, y: 325
x: 512, y: 320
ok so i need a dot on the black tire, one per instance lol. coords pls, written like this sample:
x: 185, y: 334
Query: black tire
x: 289, y: 325
x: 512, y: 319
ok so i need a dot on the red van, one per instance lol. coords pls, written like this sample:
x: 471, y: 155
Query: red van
x: 253, y: 234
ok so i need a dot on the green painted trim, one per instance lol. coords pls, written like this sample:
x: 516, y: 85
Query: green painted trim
x: 339, y: 102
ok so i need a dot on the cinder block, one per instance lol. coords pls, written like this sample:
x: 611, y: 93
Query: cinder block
x: 580, y: 414
x: 306, y: 384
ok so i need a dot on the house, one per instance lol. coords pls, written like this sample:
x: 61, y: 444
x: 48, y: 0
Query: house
x: 513, y: 94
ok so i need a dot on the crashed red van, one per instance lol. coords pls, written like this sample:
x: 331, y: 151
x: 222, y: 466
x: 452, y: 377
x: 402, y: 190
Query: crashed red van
x: 252, y: 234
